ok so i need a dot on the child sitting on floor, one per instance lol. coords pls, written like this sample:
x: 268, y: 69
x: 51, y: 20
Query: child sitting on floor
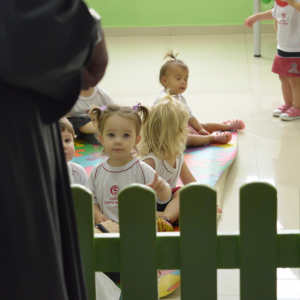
x: 119, y: 133
x: 174, y: 76
x: 79, y: 114
x: 163, y: 142
x: 77, y: 173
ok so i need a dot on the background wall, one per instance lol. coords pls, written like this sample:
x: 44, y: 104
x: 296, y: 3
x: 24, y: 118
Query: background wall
x: 154, y: 13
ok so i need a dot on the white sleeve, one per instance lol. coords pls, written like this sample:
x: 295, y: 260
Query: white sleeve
x: 149, y: 176
x: 274, y: 11
x: 91, y: 185
x: 82, y: 175
x: 106, y: 98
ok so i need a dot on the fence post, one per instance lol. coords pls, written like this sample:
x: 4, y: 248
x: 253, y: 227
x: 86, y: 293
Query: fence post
x: 198, y: 242
x: 137, y: 218
x: 258, y: 241
x: 83, y: 205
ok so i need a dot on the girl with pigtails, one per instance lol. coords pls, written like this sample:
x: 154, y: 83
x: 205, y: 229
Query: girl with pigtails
x: 119, y: 133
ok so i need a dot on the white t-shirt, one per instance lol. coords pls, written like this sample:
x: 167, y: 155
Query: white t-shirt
x: 83, y: 104
x: 106, y: 181
x: 165, y: 171
x: 288, y: 36
x: 77, y: 173
x: 177, y: 97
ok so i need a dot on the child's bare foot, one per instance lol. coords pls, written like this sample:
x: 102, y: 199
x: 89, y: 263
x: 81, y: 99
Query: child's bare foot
x: 222, y: 137
x: 235, y: 124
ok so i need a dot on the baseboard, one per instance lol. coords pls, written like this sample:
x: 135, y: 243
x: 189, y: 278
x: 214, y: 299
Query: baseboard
x: 185, y: 30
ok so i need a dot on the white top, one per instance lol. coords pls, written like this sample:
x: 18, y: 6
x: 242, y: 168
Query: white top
x: 178, y: 97
x: 83, y: 104
x: 77, y: 173
x: 165, y: 171
x: 106, y: 181
x: 288, y: 36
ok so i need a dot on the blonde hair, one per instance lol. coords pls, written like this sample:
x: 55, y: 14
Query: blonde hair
x: 65, y: 124
x: 165, y: 133
x: 139, y: 114
x: 164, y: 68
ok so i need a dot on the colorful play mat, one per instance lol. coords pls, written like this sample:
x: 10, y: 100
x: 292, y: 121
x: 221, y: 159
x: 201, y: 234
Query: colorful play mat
x: 209, y: 165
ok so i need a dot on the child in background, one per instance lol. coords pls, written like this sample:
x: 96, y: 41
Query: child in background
x: 79, y: 114
x: 174, y: 76
x: 77, y: 173
x: 163, y: 142
x: 287, y: 60
x: 119, y: 133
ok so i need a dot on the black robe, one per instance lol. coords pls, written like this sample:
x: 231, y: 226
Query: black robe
x: 43, y: 46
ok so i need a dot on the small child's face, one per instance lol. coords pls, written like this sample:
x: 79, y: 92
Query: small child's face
x: 119, y: 138
x: 176, y: 79
x: 68, y: 144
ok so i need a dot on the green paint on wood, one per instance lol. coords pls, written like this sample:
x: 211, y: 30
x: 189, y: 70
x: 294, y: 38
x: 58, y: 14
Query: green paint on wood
x: 137, y: 216
x: 198, y: 242
x: 258, y: 241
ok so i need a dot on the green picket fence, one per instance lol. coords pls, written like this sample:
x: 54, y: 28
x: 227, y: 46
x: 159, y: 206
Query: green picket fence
x: 138, y: 251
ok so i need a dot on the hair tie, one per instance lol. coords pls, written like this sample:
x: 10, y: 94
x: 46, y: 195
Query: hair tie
x: 137, y: 107
x: 102, y: 108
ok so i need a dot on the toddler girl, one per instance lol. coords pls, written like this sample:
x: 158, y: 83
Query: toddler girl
x: 79, y: 114
x: 119, y: 133
x: 174, y: 76
x: 287, y: 60
x: 163, y: 142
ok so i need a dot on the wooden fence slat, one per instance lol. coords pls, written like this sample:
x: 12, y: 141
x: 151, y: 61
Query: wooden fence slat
x: 83, y: 205
x: 258, y: 241
x: 137, y: 218
x: 198, y: 242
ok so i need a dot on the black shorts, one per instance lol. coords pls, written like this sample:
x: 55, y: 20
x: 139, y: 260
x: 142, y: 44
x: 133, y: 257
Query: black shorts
x: 78, y: 122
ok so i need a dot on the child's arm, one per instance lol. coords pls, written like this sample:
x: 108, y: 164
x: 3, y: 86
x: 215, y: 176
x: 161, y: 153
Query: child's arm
x: 185, y: 175
x: 99, y: 217
x: 293, y: 4
x: 259, y: 17
x: 162, y: 189
x: 197, y: 126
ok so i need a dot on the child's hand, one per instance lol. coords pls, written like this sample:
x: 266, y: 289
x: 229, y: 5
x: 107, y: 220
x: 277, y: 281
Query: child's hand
x: 202, y: 131
x: 250, y: 21
x: 158, y: 184
x: 99, y: 218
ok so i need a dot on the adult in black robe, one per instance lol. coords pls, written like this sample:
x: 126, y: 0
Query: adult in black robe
x: 48, y: 52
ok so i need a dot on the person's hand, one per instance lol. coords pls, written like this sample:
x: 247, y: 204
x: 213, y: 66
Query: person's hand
x: 289, y: 2
x: 99, y: 218
x: 158, y: 184
x: 250, y: 21
x: 202, y: 131
x: 94, y: 71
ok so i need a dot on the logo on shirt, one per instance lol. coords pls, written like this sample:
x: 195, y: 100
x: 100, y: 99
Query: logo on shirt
x: 282, y: 21
x: 169, y: 180
x: 283, y: 16
x: 293, y: 69
x: 115, y: 190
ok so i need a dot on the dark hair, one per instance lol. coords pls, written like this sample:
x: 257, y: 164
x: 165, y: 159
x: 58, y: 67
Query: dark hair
x: 172, y: 61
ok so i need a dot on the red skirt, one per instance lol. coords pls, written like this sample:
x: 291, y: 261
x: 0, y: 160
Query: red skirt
x: 286, y: 66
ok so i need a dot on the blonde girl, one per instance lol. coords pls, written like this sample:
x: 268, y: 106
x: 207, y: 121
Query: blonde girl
x: 163, y: 142
x: 174, y: 75
x: 119, y: 133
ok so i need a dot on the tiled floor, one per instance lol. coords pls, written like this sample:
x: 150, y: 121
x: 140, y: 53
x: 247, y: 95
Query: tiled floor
x: 225, y: 82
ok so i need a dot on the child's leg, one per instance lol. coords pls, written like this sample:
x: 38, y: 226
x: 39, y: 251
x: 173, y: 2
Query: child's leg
x: 228, y: 125
x: 199, y: 140
x: 88, y: 128
x: 172, y: 209
x: 286, y: 89
x: 295, y: 87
